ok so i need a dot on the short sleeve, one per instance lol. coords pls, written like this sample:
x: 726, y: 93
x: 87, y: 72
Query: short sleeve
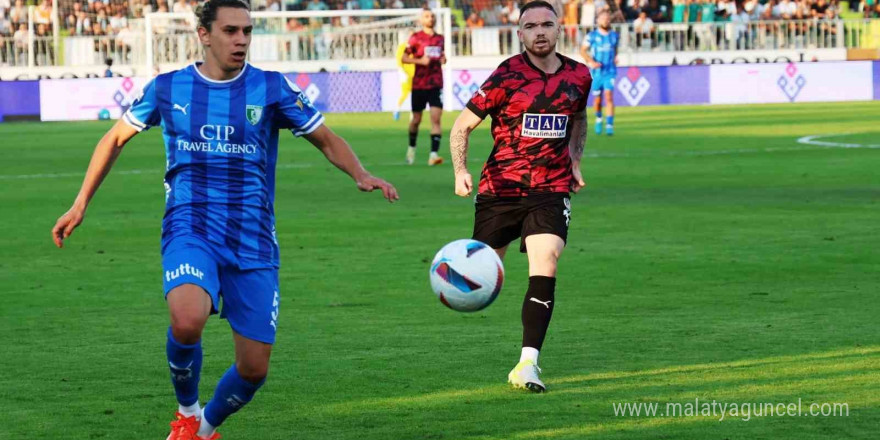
x: 490, y: 97
x: 411, y: 48
x: 295, y: 111
x: 144, y: 111
x: 586, y: 42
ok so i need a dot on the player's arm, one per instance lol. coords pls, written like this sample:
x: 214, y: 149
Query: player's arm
x: 585, y: 54
x: 105, y: 155
x: 408, y: 57
x: 466, y: 122
x: 340, y: 154
x: 576, y: 146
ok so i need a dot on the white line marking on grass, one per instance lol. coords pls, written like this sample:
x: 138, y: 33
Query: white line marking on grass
x: 806, y: 140
x: 810, y: 140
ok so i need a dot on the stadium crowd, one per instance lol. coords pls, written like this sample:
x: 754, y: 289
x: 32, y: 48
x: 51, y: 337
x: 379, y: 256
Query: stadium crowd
x: 644, y: 13
x: 114, y: 21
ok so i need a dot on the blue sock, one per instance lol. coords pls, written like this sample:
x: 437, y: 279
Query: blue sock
x: 611, y: 120
x: 231, y: 395
x: 185, y: 362
x: 599, y: 114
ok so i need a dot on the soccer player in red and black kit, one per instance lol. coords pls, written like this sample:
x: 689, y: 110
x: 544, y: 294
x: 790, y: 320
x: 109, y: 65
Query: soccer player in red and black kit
x: 537, y: 102
x: 426, y: 51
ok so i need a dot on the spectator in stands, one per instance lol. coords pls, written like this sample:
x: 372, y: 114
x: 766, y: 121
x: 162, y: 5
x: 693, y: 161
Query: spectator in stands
x: 725, y: 10
x: 317, y: 5
x: 43, y: 13
x: 181, y: 6
x: 510, y: 13
x: 588, y: 13
x: 784, y: 10
x: 102, y: 21
x: 83, y: 23
x: 571, y: 17
x: 274, y: 5
x: 118, y: 21
x: 5, y: 28
x: 657, y: 13
x: 818, y: 9
x: 397, y: 4
x: 294, y: 25
x: 623, y: 13
x: 679, y: 10
x: 492, y: 15
x: 474, y: 21
x: 740, y: 28
x: 368, y: 4
x: 20, y: 41
x: 5, y: 24
x: 44, y: 52
x: 644, y: 29
x: 707, y: 11
x: 18, y: 13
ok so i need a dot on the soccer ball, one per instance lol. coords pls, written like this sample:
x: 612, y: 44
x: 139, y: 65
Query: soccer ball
x: 466, y: 275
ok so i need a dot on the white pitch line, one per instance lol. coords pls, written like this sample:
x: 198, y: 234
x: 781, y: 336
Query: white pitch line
x: 810, y: 140
x: 806, y: 140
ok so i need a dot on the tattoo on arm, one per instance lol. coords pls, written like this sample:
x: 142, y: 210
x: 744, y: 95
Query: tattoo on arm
x: 578, y: 137
x: 458, y: 146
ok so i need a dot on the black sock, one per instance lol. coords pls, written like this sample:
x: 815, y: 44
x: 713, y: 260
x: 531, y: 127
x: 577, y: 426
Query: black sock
x: 435, y: 143
x: 412, y: 138
x: 537, y: 310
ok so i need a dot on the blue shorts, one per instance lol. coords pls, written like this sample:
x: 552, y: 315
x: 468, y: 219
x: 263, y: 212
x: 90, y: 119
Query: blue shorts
x: 602, y: 81
x: 250, y: 297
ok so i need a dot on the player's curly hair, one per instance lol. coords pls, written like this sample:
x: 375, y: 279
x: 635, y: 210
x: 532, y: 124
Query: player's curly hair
x: 207, y: 11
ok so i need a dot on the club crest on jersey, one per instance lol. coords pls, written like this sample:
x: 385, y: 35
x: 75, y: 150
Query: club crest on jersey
x: 547, y: 126
x: 254, y: 113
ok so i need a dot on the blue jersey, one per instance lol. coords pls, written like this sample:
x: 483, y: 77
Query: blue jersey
x: 221, y: 145
x: 603, y: 49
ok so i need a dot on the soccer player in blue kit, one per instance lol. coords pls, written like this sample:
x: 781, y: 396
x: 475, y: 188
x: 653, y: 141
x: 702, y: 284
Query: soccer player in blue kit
x: 220, y: 120
x: 599, y: 50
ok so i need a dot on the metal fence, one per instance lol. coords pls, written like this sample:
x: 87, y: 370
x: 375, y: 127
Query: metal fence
x: 177, y: 41
x: 671, y: 37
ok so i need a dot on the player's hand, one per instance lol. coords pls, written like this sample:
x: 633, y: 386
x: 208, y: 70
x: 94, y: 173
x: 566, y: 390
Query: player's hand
x: 66, y: 224
x: 370, y: 183
x: 595, y: 65
x: 463, y: 184
x: 577, y: 179
x: 442, y: 59
x: 425, y: 60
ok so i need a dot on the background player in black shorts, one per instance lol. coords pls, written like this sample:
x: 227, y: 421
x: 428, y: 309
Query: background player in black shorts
x: 537, y: 102
x: 426, y: 51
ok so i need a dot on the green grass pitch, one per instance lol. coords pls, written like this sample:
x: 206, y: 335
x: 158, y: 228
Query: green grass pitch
x: 712, y: 256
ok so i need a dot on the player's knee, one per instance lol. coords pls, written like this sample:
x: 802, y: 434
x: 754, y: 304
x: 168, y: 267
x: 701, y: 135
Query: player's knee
x: 187, y: 330
x: 253, y: 371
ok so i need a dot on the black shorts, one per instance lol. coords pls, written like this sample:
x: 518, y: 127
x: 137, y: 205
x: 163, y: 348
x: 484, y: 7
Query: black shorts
x: 500, y: 220
x: 432, y: 97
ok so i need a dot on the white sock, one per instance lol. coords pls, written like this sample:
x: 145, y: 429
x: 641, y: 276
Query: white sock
x: 529, y: 354
x: 189, y: 411
x: 433, y: 155
x: 205, y: 428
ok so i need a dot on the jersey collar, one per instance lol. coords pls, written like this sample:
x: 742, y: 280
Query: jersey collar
x: 195, y: 67
x: 529, y: 62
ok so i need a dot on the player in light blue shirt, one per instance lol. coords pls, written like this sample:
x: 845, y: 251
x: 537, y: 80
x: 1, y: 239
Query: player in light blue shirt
x: 220, y: 121
x: 599, y: 50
